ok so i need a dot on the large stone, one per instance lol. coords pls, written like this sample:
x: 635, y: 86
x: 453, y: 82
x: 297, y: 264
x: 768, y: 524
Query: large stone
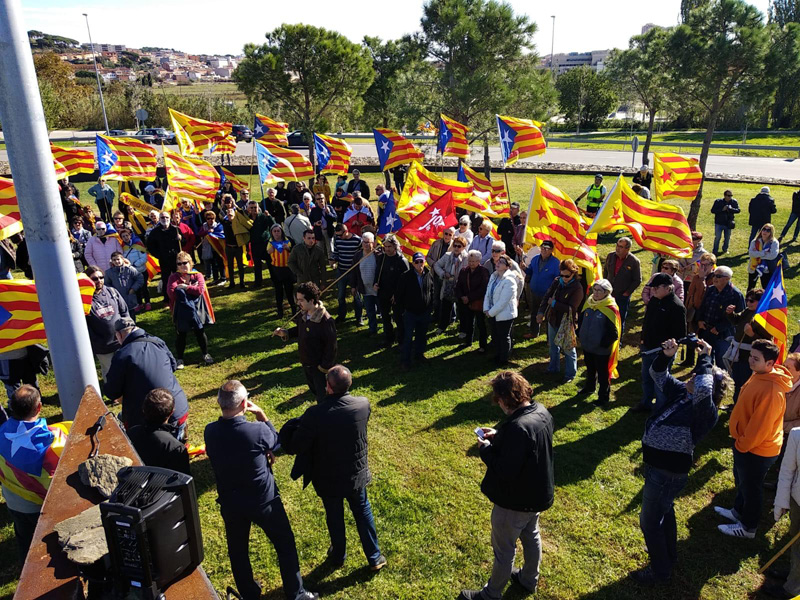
x: 82, y: 537
x: 101, y: 471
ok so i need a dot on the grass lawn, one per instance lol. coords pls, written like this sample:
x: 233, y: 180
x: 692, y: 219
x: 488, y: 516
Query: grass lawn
x: 432, y: 521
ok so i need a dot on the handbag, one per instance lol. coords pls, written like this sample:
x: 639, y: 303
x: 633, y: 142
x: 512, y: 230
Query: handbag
x: 565, y: 336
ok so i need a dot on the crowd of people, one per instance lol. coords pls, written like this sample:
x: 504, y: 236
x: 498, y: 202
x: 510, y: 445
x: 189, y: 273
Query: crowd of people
x: 478, y: 282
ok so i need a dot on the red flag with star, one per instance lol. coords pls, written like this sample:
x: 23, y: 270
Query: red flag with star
x: 676, y: 176
x: 420, y: 232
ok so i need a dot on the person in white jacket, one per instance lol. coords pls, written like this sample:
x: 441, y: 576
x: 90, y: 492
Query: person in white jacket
x: 500, y: 305
x: 100, y: 247
x: 763, y: 252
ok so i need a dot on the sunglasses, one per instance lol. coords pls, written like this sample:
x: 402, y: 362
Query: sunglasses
x: 419, y: 261
x: 496, y: 251
x: 97, y: 278
x: 183, y: 263
x: 458, y: 245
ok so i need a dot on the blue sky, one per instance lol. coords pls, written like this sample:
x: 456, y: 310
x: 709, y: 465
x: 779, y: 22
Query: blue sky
x: 205, y: 26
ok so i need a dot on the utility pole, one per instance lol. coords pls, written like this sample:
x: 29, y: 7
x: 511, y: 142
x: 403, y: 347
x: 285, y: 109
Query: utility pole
x: 97, y: 73
x: 31, y: 161
x: 552, y: 43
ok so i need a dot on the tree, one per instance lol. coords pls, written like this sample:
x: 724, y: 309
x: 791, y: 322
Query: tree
x: 783, y: 12
x: 585, y: 96
x: 641, y: 71
x: 307, y: 72
x: 784, y: 16
x: 687, y: 6
x: 721, y: 52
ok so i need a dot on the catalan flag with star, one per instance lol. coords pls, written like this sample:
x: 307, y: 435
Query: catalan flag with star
x: 394, y: 149
x: 268, y: 130
x: 21, y: 322
x: 421, y: 185
x: 238, y: 183
x: 658, y: 227
x: 772, y: 312
x: 519, y: 138
x: 10, y: 219
x: 676, y: 176
x: 74, y: 160
x: 498, y: 198
x: 452, y: 140
x: 333, y: 155
x: 272, y: 169
x: 189, y: 178
x: 299, y: 165
x: 125, y: 158
x: 196, y: 135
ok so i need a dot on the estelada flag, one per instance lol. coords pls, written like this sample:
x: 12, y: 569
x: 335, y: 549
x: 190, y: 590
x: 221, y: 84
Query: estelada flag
x: 658, y: 227
x: 676, y: 176
x: 393, y: 149
x: 121, y: 158
x: 299, y: 166
x: 452, y: 139
x: 519, y: 138
x: 333, y: 154
x: 772, y: 312
x: 237, y: 183
x: 495, y: 191
x: 74, y: 160
x: 195, y: 135
x: 268, y: 130
x: 10, y: 219
x: 21, y: 322
x: 420, y: 232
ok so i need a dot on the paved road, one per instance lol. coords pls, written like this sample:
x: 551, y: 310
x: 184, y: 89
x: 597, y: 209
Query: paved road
x: 781, y: 168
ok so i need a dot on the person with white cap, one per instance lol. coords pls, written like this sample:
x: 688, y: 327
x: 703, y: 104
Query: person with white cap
x: 464, y: 230
x: 761, y: 209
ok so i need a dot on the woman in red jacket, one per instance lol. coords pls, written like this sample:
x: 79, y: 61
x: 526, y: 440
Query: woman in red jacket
x: 191, y: 307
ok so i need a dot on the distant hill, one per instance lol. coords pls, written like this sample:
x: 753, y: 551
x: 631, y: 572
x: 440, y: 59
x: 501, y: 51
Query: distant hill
x: 46, y: 41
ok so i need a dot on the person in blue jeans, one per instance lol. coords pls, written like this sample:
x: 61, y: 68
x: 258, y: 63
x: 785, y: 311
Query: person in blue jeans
x: 794, y: 217
x: 330, y: 441
x: 683, y: 414
x: 414, y: 300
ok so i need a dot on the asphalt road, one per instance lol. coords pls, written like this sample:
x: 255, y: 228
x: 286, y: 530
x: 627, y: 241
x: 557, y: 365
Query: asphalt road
x: 782, y: 168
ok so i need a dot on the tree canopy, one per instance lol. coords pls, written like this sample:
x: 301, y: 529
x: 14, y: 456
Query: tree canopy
x: 585, y: 96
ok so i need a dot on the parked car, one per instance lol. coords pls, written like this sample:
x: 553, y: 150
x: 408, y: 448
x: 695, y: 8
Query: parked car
x: 242, y: 133
x: 117, y: 133
x: 297, y: 139
x: 160, y: 135
x: 142, y: 136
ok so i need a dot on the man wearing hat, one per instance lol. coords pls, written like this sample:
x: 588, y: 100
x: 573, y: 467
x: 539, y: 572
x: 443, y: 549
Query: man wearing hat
x: 414, y: 299
x: 507, y: 227
x: 761, y: 209
x: 643, y: 177
x: 356, y: 184
x: 664, y: 319
x: 595, y: 194
x: 141, y: 364
x: 541, y: 273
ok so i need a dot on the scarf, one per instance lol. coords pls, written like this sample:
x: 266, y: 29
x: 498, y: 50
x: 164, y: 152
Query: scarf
x: 608, y: 307
x: 758, y: 245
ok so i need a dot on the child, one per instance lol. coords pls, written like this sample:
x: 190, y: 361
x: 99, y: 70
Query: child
x: 155, y: 441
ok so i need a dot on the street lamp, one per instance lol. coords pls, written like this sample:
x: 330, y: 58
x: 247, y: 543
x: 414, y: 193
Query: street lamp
x: 97, y: 73
x: 552, y: 42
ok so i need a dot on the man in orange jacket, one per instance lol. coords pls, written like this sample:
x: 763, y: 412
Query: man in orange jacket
x: 756, y: 426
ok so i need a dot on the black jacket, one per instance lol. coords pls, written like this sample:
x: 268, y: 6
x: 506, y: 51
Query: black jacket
x: 409, y: 296
x: 330, y: 441
x: 275, y: 209
x: 761, y: 208
x: 796, y: 202
x: 519, y: 461
x: 165, y: 244
x: 725, y: 217
x: 390, y: 269
x: 663, y: 320
x: 506, y: 230
x: 360, y: 185
x: 158, y: 447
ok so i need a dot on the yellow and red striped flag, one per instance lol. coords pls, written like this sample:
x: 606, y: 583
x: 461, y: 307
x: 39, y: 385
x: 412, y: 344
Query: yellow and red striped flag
x: 676, y: 176
x: 452, y: 139
x: 152, y: 267
x: 10, y: 219
x: 655, y: 226
x: 333, y: 154
x: 74, y: 160
x: 394, y: 149
x: 189, y: 177
x: 61, y: 170
x: 267, y: 130
x: 552, y: 215
x: 421, y: 185
x: 195, y: 135
x: 226, y: 146
x: 772, y: 312
x: 125, y: 158
x: 238, y: 183
x: 300, y: 165
x: 22, y: 323
x: 519, y: 138
x: 420, y: 232
x: 498, y: 198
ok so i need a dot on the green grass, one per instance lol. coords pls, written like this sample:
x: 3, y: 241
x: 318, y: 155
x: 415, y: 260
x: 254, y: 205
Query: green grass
x: 432, y: 521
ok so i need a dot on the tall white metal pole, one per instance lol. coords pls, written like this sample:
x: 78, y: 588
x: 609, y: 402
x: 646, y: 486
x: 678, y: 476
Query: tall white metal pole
x: 552, y: 43
x: 31, y: 161
x: 97, y: 73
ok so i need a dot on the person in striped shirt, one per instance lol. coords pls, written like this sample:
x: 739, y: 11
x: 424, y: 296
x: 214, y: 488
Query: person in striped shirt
x: 345, y: 247
x: 279, y: 249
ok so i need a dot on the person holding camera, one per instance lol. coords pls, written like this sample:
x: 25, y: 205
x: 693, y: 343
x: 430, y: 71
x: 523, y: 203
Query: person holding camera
x: 683, y: 414
x: 664, y: 319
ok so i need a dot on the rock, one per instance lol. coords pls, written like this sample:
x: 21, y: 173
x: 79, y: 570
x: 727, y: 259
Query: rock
x: 83, y: 537
x: 100, y: 472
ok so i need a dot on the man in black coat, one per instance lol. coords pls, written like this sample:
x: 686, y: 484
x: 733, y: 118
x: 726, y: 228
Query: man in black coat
x: 356, y: 184
x: 518, y: 481
x: 164, y: 243
x: 664, y: 319
x: 330, y: 441
x: 391, y: 266
x: 761, y: 209
x: 155, y: 440
x: 507, y: 228
x: 414, y: 300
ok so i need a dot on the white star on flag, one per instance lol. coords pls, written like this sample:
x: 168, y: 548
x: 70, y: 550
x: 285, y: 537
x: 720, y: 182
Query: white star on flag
x: 22, y: 438
x: 777, y: 294
x: 506, y: 139
x: 108, y: 158
x: 385, y: 146
x: 322, y: 151
x: 259, y: 129
x: 390, y: 220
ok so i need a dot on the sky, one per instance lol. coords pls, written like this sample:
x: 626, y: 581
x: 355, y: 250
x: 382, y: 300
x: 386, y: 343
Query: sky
x: 213, y: 27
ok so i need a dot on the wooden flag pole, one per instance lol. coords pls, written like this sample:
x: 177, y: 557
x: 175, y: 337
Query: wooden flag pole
x: 779, y: 554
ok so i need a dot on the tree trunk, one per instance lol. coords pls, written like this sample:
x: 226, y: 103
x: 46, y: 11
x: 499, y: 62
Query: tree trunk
x: 311, y: 155
x: 649, y: 138
x: 694, y: 210
x: 487, y: 167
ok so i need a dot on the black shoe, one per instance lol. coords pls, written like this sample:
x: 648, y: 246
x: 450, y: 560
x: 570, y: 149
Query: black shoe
x: 775, y: 590
x: 586, y: 390
x: 334, y: 562
x: 515, y: 578
x: 379, y: 564
x: 601, y: 401
x: 647, y: 578
x: 471, y: 595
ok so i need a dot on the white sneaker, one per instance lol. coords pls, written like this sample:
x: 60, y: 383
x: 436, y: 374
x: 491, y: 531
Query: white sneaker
x: 736, y: 530
x: 462, y: 335
x: 208, y: 360
x: 726, y: 513
x: 180, y: 365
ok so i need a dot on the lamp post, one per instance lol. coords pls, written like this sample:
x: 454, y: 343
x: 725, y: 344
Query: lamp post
x: 552, y: 42
x: 97, y: 73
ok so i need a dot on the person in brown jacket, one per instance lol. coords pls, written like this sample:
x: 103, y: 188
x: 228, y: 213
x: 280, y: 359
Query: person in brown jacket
x: 316, y: 338
x: 470, y: 290
x: 563, y: 299
x: 624, y: 271
x: 693, y: 297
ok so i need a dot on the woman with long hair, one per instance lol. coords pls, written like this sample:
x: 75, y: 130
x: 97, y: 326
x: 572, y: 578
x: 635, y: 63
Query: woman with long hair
x: 190, y: 306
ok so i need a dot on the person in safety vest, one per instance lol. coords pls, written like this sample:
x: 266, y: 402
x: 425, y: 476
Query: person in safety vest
x: 595, y: 194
